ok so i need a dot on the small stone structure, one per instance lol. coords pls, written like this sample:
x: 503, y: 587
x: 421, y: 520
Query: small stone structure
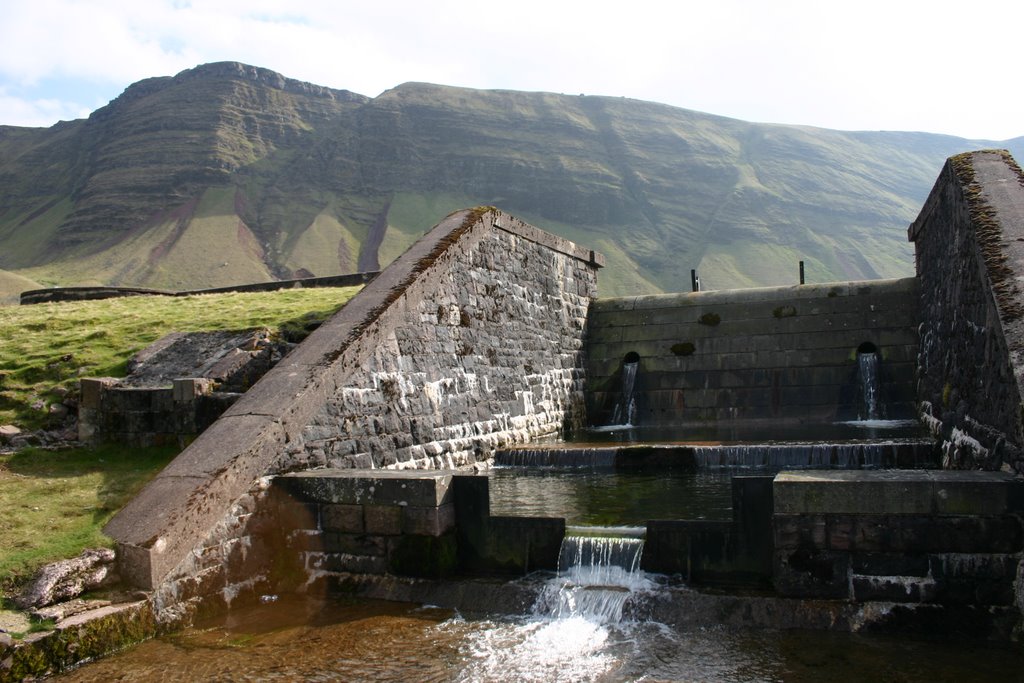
x: 970, y: 262
x: 784, y: 354
x: 176, y: 387
x: 470, y: 340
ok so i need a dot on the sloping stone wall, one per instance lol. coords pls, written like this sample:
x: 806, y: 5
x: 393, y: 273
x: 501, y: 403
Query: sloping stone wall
x: 486, y: 351
x: 970, y: 259
x: 774, y: 353
x: 470, y: 340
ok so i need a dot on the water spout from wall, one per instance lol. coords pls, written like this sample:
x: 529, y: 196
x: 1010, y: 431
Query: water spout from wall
x: 624, y: 414
x: 867, y: 371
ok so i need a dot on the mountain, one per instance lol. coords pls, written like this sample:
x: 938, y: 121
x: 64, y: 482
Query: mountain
x: 229, y: 173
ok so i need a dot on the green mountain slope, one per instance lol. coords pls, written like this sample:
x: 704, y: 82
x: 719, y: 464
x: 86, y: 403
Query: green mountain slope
x: 229, y: 173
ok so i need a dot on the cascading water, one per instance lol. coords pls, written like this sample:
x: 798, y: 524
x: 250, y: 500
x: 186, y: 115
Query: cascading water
x: 625, y: 409
x: 867, y: 369
x: 577, y: 631
x: 596, y: 575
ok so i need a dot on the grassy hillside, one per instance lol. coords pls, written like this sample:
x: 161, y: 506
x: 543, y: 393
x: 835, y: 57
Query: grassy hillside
x: 227, y: 173
x: 46, y: 348
x: 12, y: 284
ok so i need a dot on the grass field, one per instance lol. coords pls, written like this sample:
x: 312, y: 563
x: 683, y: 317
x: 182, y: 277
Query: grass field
x: 56, y: 502
x: 46, y: 348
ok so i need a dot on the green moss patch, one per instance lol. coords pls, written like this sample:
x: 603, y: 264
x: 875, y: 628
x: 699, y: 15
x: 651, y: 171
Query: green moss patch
x: 683, y: 349
x: 784, y: 312
x: 710, y: 319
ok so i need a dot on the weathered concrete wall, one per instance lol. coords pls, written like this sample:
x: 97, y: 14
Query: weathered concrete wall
x: 970, y: 260
x: 470, y: 340
x: 780, y: 353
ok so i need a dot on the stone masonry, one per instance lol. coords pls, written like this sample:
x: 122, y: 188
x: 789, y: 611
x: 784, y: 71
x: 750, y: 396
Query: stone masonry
x: 470, y: 340
x: 970, y: 260
x: 784, y: 354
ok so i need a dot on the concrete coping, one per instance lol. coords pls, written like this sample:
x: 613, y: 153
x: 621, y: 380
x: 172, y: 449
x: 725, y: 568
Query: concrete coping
x: 416, y: 488
x: 782, y: 293
x: 897, y: 492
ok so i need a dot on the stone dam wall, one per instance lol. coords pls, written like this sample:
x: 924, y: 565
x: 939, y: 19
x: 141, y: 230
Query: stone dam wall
x: 969, y: 241
x: 469, y: 341
x: 475, y: 340
x: 778, y: 353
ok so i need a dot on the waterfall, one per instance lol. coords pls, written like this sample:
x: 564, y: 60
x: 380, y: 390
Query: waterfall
x: 556, y: 457
x: 797, y: 455
x: 867, y: 368
x: 625, y: 409
x: 596, y: 575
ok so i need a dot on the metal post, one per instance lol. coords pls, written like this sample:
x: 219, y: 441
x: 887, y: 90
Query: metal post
x: 801, y: 272
x: 694, y: 280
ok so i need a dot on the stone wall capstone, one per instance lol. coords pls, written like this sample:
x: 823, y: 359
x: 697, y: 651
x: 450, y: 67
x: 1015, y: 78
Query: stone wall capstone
x: 969, y: 261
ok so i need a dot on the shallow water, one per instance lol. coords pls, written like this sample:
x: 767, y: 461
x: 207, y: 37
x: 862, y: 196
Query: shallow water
x: 605, y: 497
x: 361, y: 640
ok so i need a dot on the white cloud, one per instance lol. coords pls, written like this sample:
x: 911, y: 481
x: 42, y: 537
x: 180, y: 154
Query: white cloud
x: 911, y: 65
x: 17, y: 111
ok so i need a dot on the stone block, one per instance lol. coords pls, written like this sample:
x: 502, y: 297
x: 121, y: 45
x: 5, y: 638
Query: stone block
x: 343, y: 562
x: 793, y: 531
x: 809, y: 572
x: 890, y: 564
x: 92, y: 389
x: 383, y: 520
x: 186, y: 390
x: 355, y: 544
x: 343, y: 518
x: 432, y: 557
x: 701, y: 551
x: 428, y: 521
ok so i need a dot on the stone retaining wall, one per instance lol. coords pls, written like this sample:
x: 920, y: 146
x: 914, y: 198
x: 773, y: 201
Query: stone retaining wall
x: 970, y: 259
x: 778, y: 353
x: 52, y: 294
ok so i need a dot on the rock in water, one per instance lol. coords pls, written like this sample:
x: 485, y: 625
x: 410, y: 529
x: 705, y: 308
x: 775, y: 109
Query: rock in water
x: 68, y: 578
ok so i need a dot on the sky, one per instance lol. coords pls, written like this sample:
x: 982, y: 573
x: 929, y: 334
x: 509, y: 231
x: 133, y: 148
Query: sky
x: 914, y: 65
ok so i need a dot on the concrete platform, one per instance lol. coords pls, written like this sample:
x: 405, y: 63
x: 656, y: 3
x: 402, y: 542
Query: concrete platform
x: 901, y: 492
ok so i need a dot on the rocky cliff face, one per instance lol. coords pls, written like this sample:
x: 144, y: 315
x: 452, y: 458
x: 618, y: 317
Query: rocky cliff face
x: 228, y: 173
